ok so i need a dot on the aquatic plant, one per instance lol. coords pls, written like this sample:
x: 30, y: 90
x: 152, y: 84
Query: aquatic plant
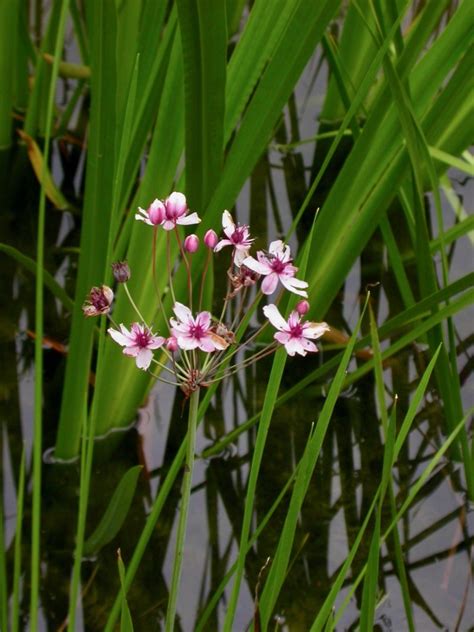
x: 206, y: 97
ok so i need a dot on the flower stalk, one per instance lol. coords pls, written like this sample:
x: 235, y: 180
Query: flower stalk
x: 183, y: 514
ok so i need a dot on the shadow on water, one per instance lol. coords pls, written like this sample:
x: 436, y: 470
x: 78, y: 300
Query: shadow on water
x: 437, y: 533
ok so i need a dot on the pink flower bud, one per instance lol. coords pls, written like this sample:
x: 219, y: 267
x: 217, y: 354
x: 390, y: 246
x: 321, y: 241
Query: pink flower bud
x: 172, y: 344
x: 156, y: 212
x: 191, y: 243
x: 302, y: 308
x: 211, y: 239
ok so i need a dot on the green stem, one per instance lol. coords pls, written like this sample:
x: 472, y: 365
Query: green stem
x: 39, y: 323
x: 183, y: 516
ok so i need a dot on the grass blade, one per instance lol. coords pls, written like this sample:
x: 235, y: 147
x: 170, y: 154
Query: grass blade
x: 116, y: 512
x: 39, y: 321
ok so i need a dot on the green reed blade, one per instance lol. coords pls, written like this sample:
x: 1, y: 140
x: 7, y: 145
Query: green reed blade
x: 414, y: 490
x: 115, y: 513
x: 3, y: 570
x: 406, y: 318
x: 15, y: 616
x: 101, y: 19
x: 389, y: 426
x: 48, y: 279
x: 126, y: 624
x: 9, y: 32
x: 279, y: 566
x: 369, y: 592
x: 203, y: 28
x: 39, y: 321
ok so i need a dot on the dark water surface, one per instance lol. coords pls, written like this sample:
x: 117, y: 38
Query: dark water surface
x: 437, y: 533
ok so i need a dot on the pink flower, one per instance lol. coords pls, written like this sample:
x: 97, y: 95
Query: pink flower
x: 98, y: 301
x: 276, y: 266
x: 302, y: 307
x: 154, y: 215
x: 295, y: 335
x: 175, y: 212
x: 195, y: 333
x: 172, y: 344
x: 138, y: 343
x: 168, y: 213
x: 211, y: 239
x: 191, y: 243
x: 237, y: 236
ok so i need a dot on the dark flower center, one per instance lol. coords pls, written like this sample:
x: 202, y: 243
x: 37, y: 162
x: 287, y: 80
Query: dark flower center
x: 239, y: 235
x: 98, y: 299
x: 197, y: 331
x: 142, y: 339
x: 277, y: 265
x: 296, y: 331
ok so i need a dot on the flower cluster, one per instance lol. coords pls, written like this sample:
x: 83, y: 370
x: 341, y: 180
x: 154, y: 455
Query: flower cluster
x: 199, y: 347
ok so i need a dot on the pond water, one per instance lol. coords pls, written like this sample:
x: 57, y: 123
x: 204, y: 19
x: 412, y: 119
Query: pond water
x: 437, y: 533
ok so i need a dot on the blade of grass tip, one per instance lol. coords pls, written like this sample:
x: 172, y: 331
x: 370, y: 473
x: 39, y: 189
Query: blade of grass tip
x: 452, y: 161
x: 415, y: 402
x: 279, y: 566
x: 271, y: 394
x: 39, y: 300
x: 126, y: 624
x: 15, y: 620
x: 415, y: 488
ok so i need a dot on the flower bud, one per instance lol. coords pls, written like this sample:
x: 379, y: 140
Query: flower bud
x: 191, y: 243
x: 211, y: 239
x: 302, y: 308
x: 98, y: 301
x: 156, y: 212
x: 121, y: 271
x: 172, y: 344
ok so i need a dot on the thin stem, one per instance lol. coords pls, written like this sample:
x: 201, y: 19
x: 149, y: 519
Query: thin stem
x: 155, y: 280
x: 188, y: 268
x: 39, y: 323
x: 168, y: 265
x: 203, y: 278
x: 127, y: 292
x: 162, y: 379
x: 183, y: 516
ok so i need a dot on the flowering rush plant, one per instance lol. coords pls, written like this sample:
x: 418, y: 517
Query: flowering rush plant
x: 198, y: 348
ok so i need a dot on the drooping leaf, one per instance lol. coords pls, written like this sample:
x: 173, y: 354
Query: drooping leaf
x: 115, y: 513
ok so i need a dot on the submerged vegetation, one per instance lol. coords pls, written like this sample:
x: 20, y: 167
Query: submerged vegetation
x: 107, y: 105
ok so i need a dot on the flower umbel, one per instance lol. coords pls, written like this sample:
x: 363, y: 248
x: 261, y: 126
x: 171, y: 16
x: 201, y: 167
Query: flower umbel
x: 276, y: 265
x: 98, y: 301
x: 293, y: 334
x: 237, y: 236
x: 138, y: 343
x: 195, y: 333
